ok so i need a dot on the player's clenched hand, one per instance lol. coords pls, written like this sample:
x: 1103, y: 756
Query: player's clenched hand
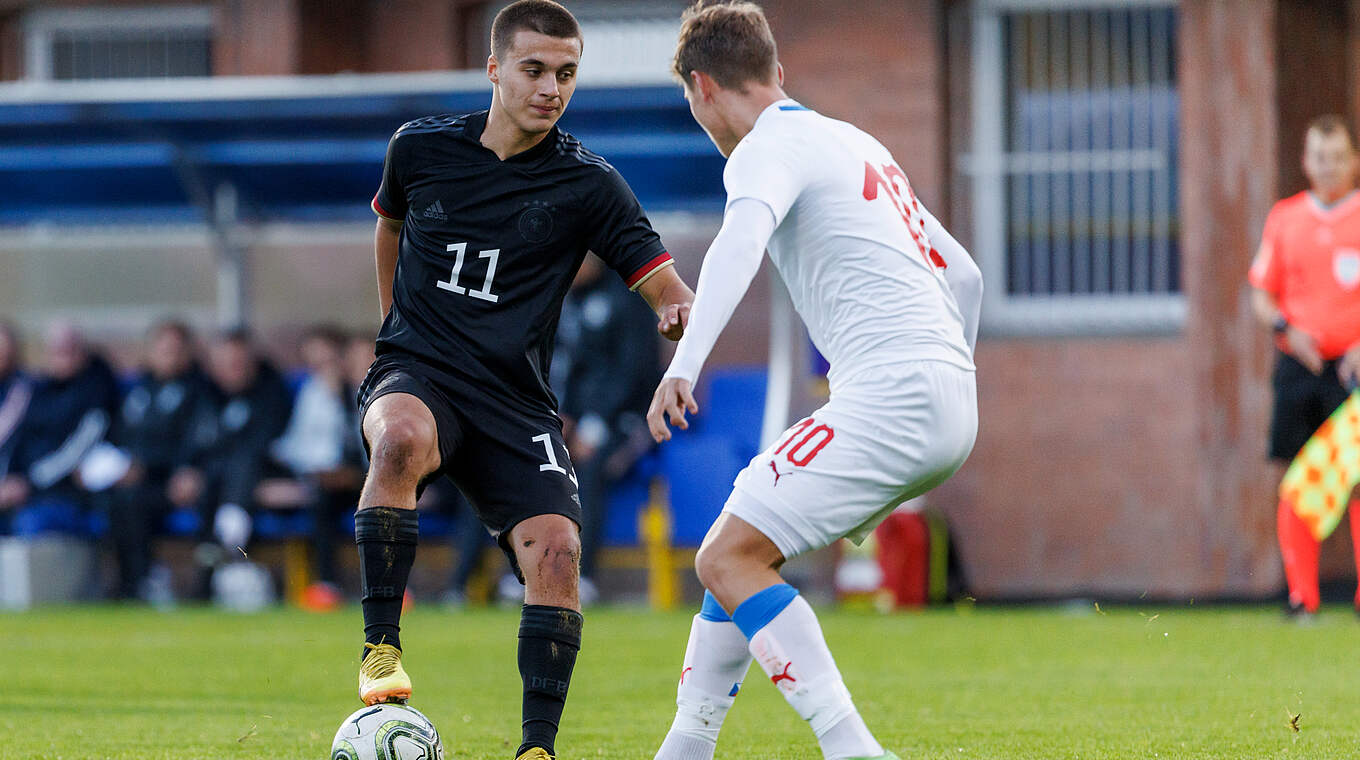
x: 673, y: 320
x: 673, y: 396
x: 1348, y: 369
x: 1304, y: 348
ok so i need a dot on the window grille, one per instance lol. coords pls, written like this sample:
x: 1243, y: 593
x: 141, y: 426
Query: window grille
x: 118, y: 42
x: 1073, y: 165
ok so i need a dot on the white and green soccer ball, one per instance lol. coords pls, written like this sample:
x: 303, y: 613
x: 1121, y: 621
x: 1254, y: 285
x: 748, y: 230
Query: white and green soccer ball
x: 387, y: 732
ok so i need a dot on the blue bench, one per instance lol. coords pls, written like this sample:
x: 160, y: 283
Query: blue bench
x: 697, y: 465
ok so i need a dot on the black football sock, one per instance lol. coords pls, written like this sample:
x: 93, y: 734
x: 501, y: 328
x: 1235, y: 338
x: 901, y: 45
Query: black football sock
x: 387, y: 549
x: 549, y: 638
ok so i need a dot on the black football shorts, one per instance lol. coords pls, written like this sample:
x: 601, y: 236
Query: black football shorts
x: 510, y: 464
x: 1303, y: 401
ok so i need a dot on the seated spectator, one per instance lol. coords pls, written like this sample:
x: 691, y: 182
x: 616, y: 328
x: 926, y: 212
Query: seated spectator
x: 606, y: 365
x: 152, y: 429
x: 69, y: 413
x: 319, y: 448
x: 314, y: 440
x: 249, y: 409
x: 16, y: 390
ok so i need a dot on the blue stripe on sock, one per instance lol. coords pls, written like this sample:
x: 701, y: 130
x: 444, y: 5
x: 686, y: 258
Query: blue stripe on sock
x: 712, y: 610
x: 763, y: 606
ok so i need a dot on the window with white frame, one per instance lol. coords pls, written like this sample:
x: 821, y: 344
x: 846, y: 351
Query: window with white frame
x: 637, y: 39
x: 625, y: 40
x: 1073, y: 164
x: 118, y: 42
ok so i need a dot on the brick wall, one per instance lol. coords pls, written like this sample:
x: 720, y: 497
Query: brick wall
x: 1311, y: 57
x: 315, y: 37
x: 1082, y: 472
x: 882, y: 70
x: 415, y: 35
x: 276, y: 37
x: 1229, y: 129
x: 256, y: 37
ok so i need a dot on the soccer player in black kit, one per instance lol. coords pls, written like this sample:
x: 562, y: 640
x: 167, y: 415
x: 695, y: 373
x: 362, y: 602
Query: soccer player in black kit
x: 484, y: 220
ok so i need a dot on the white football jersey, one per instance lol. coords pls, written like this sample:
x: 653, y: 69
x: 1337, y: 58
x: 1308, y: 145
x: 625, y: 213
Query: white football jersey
x: 850, y: 241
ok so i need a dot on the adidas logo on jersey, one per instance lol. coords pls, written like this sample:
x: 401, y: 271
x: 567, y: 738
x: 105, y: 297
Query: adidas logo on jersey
x: 436, y: 211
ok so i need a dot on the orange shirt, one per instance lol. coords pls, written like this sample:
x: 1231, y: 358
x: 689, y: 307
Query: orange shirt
x: 1309, y: 261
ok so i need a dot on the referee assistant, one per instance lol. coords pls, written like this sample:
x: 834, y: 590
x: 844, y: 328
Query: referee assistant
x: 1306, y: 280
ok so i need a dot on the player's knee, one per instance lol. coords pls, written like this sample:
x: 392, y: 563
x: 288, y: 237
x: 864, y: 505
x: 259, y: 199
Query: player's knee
x: 711, y: 565
x: 549, y: 551
x: 560, y: 554
x: 402, y: 447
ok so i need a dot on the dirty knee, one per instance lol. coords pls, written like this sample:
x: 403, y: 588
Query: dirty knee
x: 401, y: 448
x: 546, y: 560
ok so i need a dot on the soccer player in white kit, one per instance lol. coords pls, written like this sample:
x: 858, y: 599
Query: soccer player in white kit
x: 892, y: 301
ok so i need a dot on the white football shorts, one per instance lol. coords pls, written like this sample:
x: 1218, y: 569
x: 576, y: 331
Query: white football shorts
x: 888, y: 435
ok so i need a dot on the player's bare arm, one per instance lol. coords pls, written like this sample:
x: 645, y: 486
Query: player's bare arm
x: 1298, y: 343
x: 729, y: 266
x: 386, y: 242
x: 671, y: 299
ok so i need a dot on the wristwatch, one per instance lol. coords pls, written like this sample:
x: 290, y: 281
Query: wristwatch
x: 1279, y: 325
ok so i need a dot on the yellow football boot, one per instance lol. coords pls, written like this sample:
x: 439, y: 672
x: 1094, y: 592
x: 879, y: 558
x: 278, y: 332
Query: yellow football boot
x: 381, y: 677
x: 535, y: 753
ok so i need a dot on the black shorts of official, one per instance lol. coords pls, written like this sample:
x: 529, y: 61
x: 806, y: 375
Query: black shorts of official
x: 1303, y: 401
x: 510, y: 464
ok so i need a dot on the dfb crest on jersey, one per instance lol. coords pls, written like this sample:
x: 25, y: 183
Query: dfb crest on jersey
x: 536, y: 224
x: 1346, y: 267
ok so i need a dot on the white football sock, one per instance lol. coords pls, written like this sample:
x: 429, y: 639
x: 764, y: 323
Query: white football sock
x: 716, y: 661
x: 793, y: 653
x: 849, y: 739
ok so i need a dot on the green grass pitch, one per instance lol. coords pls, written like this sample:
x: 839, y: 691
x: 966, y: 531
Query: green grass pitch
x: 1070, y: 682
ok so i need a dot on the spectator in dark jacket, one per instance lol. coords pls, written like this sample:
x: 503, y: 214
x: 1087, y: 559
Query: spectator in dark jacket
x: 72, y: 404
x: 606, y: 366
x: 153, y: 428
x: 249, y: 409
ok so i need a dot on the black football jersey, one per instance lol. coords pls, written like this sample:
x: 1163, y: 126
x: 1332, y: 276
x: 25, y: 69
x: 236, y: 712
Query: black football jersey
x: 489, y: 248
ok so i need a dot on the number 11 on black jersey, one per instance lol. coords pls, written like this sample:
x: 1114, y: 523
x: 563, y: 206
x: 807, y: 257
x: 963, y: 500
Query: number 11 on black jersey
x: 459, y: 250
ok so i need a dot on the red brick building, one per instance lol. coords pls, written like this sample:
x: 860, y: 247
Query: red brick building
x: 1123, y: 426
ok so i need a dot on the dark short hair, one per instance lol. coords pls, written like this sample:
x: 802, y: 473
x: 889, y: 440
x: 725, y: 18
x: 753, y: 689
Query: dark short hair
x: 542, y: 16
x: 326, y: 332
x: 730, y: 42
x: 1331, y: 124
x: 174, y: 325
x: 238, y: 334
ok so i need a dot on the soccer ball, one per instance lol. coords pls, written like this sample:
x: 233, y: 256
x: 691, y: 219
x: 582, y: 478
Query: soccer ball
x: 387, y: 732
